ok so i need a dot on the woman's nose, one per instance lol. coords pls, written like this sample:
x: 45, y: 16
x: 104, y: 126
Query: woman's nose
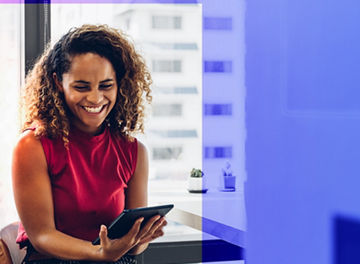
x: 95, y: 96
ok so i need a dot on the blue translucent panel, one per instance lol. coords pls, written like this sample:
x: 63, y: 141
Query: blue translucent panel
x: 217, y: 23
x: 218, y: 66
x: 218, y: 152
x: 175, y: 133
x: 302, y: 58
x: 347, y: 240
x: 218, y: 109
x: 323, y: 57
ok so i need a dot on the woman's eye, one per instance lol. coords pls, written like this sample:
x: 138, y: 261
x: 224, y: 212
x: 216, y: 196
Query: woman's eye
x: 81, y: 87
x: 106, y: 86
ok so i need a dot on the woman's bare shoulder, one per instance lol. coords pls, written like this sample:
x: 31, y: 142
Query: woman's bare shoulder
x: 28, y: 150
x: 141, y: 148
x: 28, y: 141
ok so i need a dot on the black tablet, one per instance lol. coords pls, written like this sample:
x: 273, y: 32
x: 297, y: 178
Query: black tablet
x: 123, y: 223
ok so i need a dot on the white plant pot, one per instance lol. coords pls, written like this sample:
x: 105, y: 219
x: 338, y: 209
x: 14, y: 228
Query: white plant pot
x: 195, y: 183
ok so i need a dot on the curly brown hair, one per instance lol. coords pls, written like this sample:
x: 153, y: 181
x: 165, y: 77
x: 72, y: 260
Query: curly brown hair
x: 44, y: 105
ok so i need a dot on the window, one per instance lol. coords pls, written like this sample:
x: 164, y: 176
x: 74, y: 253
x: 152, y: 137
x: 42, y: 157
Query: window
x: 218, y: 109
x: 11, y: 75
x: 166, y: 153
x: 166, y: 66
x: 176, y: 46
x: 167, y: 110
x: 218, y: 66
x: 218, y: 23
x: 175, y: 133
x: 175, y: 90
x: 166, y: 22
x: 218, y: 152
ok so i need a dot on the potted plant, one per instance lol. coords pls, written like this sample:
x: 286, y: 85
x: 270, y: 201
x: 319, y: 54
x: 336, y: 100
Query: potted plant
x: 195, y: 183
x: 229, y: 178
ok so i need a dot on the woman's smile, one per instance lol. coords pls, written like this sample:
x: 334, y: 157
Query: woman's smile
x: 94, y: 109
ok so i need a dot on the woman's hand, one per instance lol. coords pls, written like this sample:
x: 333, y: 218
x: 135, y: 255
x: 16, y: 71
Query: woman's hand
x: 133, y: 241
x: 152, y: 229
x: 113, y: 249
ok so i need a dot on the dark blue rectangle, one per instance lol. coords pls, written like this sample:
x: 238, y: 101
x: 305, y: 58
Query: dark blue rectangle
x: 218, y: 152
x: 218, y: 66
x: 347, y: 240
x: 218, y: 109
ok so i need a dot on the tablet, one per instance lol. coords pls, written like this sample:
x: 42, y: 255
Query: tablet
x: 123, y: 223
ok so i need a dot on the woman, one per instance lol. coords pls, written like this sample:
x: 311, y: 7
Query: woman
x: 77, y: 165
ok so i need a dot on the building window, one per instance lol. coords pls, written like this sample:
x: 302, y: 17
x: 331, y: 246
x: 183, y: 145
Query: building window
x: 167, y: 110
x: 176, y: 46
x: 218, y: 23
x: 166, y: 22
x: 218, y: 66
x: 175, y: 133
x: 166, y: 65
x: 166, y: 153
x: 218, y: 152
x: 218, y: 109
x: 176, y: 90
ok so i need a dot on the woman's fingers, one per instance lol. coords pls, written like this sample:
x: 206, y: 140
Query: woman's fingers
x: 133, y: 233
x: 154, y: 232
x: 104, y: 240
x: 148, y: 226
x: 153, y: 236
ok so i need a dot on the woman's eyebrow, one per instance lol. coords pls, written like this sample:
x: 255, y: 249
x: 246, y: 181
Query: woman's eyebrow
x: 81, y: 81
x: 85, y: 82
x: 107, y: 80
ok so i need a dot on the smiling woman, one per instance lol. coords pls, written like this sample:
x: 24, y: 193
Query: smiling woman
x: 90, y: 89
x: 78, y: 165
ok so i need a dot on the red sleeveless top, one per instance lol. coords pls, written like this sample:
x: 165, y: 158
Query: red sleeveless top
x: 87, y: 181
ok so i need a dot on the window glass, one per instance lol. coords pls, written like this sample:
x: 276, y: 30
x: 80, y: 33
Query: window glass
x: 175, y: 90
x: 166, y: 153
x: 166, y: 22
x: 11, y: 67
x: 218, y: 109
x: 166, y: 66
x: 161, y: 50
x: 218, y: 23
x: 167, y: 110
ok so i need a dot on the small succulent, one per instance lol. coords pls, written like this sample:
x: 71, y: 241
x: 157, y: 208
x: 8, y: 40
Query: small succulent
x: 196, y: 173
x: 227, y: 170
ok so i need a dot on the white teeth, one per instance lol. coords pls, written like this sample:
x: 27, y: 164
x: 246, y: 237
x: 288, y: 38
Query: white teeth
x: 93, y: 109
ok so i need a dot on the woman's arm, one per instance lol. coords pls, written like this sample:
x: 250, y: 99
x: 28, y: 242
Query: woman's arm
x: 136, y: 196
x: 33, y: 198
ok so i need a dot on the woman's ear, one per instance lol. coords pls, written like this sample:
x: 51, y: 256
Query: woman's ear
x: 57, y: 83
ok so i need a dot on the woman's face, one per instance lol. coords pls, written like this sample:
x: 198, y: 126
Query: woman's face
x: 90, y: 90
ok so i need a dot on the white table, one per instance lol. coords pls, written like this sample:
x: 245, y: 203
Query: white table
x: 220, y: 214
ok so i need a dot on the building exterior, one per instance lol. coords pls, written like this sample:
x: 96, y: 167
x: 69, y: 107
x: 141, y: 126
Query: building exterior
x: 169, y: 37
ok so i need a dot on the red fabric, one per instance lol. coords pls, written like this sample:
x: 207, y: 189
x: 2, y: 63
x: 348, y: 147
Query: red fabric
x: 88, y: 181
